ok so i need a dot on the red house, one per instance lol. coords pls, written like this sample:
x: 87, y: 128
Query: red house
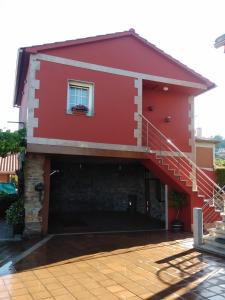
x: 110, y: 131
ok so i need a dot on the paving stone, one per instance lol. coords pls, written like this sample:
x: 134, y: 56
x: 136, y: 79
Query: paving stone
x: 116, y: 266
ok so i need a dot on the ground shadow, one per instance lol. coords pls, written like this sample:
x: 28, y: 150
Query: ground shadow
x: 201, y: 276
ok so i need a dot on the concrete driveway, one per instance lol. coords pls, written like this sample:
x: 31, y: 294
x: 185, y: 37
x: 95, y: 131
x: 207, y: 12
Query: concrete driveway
x: 142, y: 265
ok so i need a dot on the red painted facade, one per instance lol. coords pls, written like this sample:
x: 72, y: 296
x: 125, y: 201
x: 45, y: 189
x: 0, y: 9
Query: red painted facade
x: 113, y: 120
x: 169, y: 104
x: 113, y: 94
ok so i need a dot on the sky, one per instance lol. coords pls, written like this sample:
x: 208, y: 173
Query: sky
x: 185, y: 29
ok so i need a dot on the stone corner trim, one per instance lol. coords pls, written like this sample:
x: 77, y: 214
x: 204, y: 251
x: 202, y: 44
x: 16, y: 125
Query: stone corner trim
x: 137, y: 118
x: 33, y: 85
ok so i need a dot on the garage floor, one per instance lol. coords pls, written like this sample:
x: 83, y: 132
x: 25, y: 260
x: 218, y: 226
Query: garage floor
x: 102, y: 221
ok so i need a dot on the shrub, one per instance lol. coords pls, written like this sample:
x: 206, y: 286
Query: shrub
x: 177, y: 200
x: 15, y: 213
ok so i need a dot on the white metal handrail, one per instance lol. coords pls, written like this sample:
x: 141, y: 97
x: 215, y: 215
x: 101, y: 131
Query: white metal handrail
x: 191, y: 176
x: 179, y: 151
x: 152, y: 136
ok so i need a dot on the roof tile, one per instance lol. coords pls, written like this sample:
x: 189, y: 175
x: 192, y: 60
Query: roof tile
x: 9, y: 164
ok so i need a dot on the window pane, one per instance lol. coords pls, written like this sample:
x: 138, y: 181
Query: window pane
x: 72, y: 91
x: 85, y: 96
x: 79, y: 95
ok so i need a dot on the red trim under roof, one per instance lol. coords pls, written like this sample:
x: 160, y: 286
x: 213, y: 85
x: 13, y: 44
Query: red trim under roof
x: 24, y: 53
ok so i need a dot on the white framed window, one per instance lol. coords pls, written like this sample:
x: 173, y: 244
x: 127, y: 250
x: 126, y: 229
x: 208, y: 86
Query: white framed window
x: 80, y: 97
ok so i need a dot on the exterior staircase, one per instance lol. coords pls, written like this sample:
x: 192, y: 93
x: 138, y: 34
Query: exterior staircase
x: 167, y: 160
x: 214, y: 241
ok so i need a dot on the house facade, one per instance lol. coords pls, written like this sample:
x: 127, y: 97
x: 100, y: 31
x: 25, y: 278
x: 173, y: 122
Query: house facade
x: 110, y: 128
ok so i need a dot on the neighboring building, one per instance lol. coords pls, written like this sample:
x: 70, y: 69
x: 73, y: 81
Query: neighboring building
x: 8, y: 167
x: 98, y: 112
x: 220, y: 42
x: 205, y: 155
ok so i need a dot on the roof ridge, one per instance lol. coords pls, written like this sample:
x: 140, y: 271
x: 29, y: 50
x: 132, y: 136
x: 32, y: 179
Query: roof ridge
x: 82, y: 40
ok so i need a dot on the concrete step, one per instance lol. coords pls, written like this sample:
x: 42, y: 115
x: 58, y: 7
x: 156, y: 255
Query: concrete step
x: 207, y: 200
x: 210, y: 241
x: 211, y: 249
x: 217, y: 233
x: 220, y: 225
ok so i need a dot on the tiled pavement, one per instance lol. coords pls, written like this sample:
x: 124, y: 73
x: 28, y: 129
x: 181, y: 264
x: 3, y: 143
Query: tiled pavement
x: 116, y: 266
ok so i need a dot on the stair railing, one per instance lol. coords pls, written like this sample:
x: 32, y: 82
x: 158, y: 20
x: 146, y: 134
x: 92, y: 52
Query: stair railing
x: 167, y: 153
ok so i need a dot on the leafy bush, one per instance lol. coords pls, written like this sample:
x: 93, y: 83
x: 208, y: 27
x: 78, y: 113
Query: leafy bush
x: 220, y: 162
x: 15, y: 213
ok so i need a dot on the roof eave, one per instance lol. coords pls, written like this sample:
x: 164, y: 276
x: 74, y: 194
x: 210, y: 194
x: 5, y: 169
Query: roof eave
x: 219, y: 44
x: 21, y: 70
x: 220, y: 41
x: 206, y: 140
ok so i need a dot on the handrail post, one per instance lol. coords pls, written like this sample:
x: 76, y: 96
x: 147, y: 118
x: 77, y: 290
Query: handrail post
x: 197, y: 226
x: 179, y: 169
x: 147, y: 138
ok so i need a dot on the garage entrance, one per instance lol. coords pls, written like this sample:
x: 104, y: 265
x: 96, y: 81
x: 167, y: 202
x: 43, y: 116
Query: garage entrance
x: 103, y: 194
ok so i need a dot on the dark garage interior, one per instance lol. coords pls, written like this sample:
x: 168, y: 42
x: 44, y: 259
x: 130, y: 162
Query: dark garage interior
x: 89, y: 194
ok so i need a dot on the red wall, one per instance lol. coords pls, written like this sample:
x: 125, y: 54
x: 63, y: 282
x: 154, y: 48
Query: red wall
x: 169, y: 104
x: 125, y: 53
x: 113, y: 120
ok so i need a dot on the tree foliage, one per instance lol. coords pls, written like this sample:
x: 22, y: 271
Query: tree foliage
x: 220, y: 162
x: 220, y: 176
x: 12, y: 142
x: 221, y: 140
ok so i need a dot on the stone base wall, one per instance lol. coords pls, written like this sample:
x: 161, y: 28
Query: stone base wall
x: 33, y: 174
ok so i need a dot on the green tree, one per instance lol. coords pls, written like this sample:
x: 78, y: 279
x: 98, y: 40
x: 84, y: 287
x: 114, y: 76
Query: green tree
x: 221, y: 140
x: 12, y: 142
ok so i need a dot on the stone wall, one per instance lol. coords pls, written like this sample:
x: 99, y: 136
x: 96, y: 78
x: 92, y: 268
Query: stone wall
x: 33, y: 174
x: 96, y: 187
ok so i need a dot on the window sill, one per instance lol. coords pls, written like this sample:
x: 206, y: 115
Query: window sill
x: 79, y: 114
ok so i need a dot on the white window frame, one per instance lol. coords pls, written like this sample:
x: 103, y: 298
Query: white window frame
x: 90, y: 87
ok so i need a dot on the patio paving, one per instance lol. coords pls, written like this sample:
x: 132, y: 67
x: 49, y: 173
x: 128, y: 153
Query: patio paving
x: 153, y: 265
